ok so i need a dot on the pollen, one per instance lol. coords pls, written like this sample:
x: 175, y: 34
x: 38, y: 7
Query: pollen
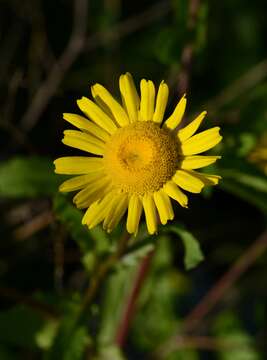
x: 141, y: 157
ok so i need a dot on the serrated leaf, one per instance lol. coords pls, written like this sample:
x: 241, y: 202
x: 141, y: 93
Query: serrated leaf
x: 28, y: 177
x: 193, y: 253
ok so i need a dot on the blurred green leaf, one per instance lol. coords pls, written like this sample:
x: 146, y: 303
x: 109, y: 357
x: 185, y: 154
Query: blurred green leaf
x: 19, y: 326
x: 138, y: 251
x: 114, y: 297
x: 111, y: 352
x: 182, y: 354
x: 75, y: 349
x: 159, y: 300
x: 28, y: 177
x: 193, y: 254
x: 72, y: 337
x: 45, y: 336
x: 166, y: 47
x: 229, y: 329
x: 201, y: 27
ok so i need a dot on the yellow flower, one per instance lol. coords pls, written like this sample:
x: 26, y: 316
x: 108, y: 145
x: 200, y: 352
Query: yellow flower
x: 137, y: 163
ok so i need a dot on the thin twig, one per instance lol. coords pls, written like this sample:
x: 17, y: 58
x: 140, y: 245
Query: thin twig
x: 128, y: 26
x: 34, y: 225
x: 247, y: 81
x: 188, y: 50
x: 44, y: 309
x: 70, y: 54
x: 77, y: 44
x: 130, y: 306
x: 216, y: 293
x: 209, y: 343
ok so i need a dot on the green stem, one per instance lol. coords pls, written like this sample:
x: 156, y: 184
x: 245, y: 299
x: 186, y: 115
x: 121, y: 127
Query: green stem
x: 102, y: 269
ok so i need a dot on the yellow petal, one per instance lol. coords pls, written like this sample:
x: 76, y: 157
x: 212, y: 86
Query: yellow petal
x: 103, y: 106
x: 164, y: 206
x: 90, y: 212
x: 82, y: 141
x: 129, y: 95
x: 90, y: 109
x: 201, y: 142
x: 114, y: 216
x: 134, y: 214
x: 197, y: 162
x: 191, y: 128
x: 174, y: 120
x: 150, y: 213
x: 79, y: 182
x: 161, y: 102
x: 85, y: 137
x: 86, y: 125
x: 116, y: 109
x: 147, y: 100
x: 171, y: 189
x: 188, y: 181
x: 97, y: 211
x: 95, y: 190
x: 207, y: 179
x: 71, y: 165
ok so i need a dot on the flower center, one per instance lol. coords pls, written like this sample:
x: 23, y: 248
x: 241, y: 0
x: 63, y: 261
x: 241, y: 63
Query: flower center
x: 141, y: 157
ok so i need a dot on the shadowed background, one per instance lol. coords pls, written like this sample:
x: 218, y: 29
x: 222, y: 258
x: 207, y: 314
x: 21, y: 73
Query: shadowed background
x: 51, y: 53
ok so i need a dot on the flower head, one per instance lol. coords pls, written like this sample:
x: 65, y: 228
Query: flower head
x: 135, y: 163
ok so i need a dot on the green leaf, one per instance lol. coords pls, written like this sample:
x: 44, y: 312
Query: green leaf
x: 158, y: 315
x: 75, y: 349
x: 228, y: 328
x: 28, y: 177
x: 193, y: 254
x: 45, y: 336
x: 137, y: 252
x: 111, y: 352
x: 115, y: 294
x: 19, y: 326
x: 72, y: 336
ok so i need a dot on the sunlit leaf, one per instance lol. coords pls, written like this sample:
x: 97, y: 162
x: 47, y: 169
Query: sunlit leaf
x: 193, y: 253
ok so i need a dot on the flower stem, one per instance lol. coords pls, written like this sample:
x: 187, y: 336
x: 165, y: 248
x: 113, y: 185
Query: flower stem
x: 102, y: 269
x: 130, y: 306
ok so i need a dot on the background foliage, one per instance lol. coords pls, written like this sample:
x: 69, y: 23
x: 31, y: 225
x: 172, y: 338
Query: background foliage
x: 51, y: 52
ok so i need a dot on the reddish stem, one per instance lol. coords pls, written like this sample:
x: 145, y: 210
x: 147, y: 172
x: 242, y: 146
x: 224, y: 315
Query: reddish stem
x: 214, y: 295
x: 129, y: 309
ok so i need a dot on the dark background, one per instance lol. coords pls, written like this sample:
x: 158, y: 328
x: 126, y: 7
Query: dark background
x: 51, y: 52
